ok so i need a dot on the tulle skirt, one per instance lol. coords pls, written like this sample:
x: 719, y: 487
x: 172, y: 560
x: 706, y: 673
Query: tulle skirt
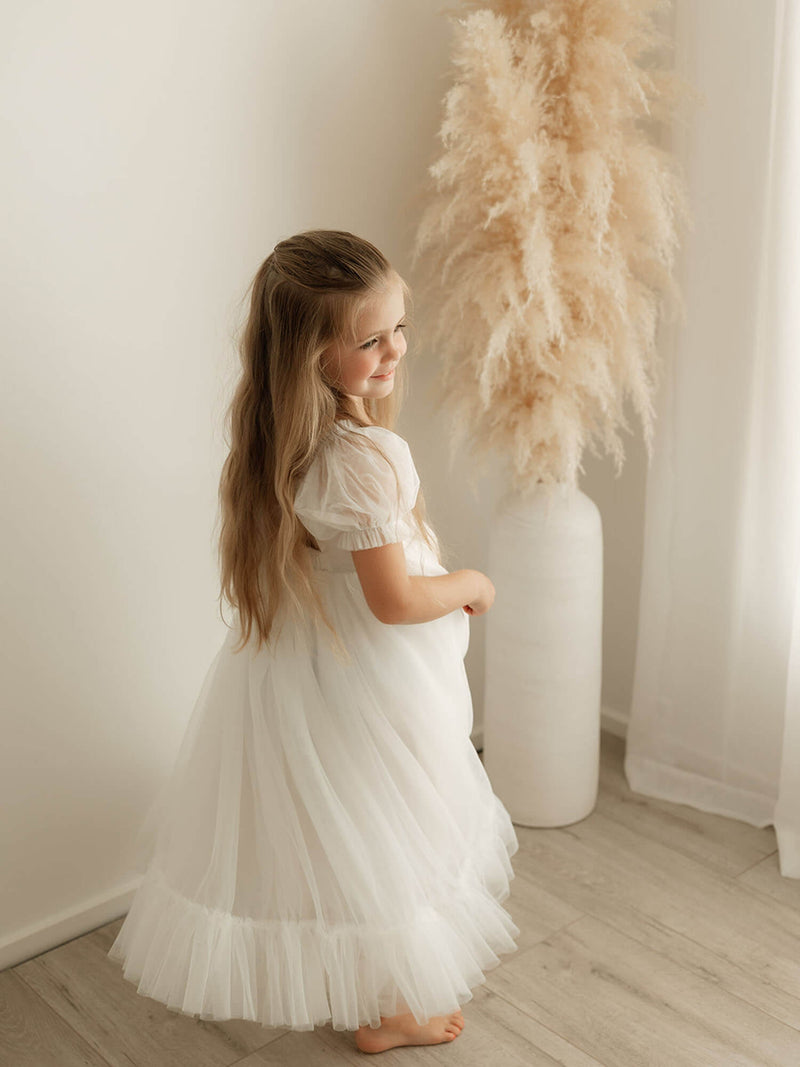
x: 328, y: 848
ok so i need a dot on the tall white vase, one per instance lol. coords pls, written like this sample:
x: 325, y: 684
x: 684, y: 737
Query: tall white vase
x: 541, y: 738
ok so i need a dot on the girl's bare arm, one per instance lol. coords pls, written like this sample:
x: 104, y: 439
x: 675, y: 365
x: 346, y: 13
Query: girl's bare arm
x: 394, y: 596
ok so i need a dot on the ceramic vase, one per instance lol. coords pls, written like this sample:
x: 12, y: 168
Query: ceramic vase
x: 541, y: 738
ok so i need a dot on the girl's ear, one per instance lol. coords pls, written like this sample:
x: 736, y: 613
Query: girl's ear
x: 331, y: 358
x: 330, y: 366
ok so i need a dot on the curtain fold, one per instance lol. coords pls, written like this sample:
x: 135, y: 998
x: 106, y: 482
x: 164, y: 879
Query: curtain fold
x: 715, y: 716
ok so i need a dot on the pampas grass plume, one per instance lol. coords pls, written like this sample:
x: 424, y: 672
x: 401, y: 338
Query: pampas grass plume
x: 547, y: 244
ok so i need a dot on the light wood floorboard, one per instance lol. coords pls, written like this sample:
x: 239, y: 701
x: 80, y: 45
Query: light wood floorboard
x: 652, y: 935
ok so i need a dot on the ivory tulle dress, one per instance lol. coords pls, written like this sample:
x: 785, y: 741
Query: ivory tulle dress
x: 328, y: 848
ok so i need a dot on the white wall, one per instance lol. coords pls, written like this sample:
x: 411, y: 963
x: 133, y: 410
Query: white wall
x: 156, y: 154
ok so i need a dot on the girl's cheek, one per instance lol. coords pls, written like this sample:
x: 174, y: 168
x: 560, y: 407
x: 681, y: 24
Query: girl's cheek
x: 365, y: 366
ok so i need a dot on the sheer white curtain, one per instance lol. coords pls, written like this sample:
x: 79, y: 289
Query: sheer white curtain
x: 715, y: 717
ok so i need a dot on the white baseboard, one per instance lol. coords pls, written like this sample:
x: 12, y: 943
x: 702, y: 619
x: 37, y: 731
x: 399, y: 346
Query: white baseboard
x: 57, y: 929
x: 612, y: 721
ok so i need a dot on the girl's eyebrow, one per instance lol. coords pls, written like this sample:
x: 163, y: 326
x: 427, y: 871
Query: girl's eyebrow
x: 377, y: 333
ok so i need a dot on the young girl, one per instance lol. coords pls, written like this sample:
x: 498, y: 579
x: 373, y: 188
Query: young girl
x: 328, y: 847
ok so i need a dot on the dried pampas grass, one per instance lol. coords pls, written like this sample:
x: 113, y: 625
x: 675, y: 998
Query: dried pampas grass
x: 545, y: 251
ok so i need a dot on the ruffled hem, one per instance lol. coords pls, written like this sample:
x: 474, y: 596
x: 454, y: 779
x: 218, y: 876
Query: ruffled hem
x: 209, y: 963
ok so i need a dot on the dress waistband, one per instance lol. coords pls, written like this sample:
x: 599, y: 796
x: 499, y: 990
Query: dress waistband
x: 419, y: 560
x: 337, y: 560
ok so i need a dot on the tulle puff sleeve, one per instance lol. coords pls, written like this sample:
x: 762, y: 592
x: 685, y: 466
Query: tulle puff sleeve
x: 349, y: 497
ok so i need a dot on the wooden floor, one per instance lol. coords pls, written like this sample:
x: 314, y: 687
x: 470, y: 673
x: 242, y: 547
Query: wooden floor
x: 651, y: 934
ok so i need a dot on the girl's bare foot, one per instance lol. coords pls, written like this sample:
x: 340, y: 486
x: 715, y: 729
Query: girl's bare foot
x: 405, y: 1030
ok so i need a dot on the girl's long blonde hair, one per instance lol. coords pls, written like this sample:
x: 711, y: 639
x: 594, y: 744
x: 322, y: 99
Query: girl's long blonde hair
x: 305, y: 296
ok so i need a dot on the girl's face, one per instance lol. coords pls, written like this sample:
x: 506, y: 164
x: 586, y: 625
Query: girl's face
x: 365, y: 368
